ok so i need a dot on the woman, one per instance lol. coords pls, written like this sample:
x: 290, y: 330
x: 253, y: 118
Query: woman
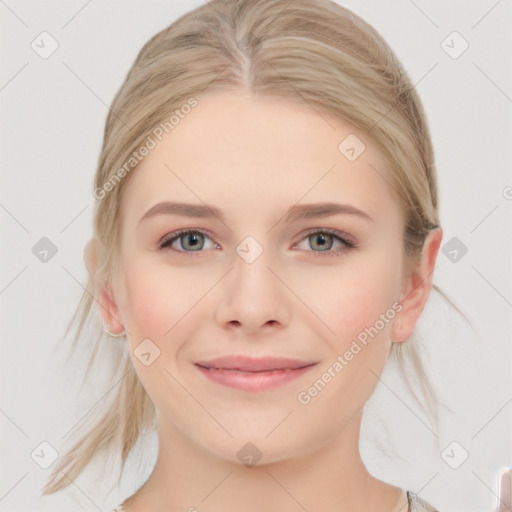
x: 266, y: 230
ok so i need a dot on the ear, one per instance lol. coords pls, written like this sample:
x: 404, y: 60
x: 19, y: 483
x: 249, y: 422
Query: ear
x: 416, y: 288
x: 105, y: 300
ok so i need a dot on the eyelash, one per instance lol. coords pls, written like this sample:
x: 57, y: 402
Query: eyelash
x: 168, y: 239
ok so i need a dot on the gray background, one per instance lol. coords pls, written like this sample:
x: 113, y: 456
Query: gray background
x: 52, y: 116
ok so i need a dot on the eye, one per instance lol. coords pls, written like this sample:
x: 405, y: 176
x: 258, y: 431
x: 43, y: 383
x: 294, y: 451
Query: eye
x: 325, y: 238
x: 190, y: 240
x: 193, y: 240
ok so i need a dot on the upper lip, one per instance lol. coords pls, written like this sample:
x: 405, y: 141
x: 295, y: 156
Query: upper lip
x: 252, y: 364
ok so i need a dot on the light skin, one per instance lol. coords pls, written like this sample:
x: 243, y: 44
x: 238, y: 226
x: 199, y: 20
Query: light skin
x: 253, y: 158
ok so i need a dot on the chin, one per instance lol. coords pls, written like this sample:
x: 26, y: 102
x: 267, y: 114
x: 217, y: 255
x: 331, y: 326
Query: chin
x: 255, y: 450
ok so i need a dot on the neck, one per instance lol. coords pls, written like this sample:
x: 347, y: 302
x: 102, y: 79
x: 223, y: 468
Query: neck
x: 188, y: 477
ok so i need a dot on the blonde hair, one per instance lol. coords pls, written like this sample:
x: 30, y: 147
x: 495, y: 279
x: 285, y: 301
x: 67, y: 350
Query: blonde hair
x: 312, y: 50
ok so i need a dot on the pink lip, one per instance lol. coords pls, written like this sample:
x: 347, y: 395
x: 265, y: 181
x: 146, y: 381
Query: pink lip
x: 249, y: 374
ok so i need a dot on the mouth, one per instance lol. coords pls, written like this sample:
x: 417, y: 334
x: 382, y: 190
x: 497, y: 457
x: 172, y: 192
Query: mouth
x: 250, y: 374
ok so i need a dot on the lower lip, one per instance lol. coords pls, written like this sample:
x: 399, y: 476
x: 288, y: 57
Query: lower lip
x: 253, y: 381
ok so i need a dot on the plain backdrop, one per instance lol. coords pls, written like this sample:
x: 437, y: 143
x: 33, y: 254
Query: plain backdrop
x: 52, y: 116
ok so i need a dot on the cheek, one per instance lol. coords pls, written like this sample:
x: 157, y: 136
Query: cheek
x: 156, y: 298
x: 357, y: 296
x: 358, y: 324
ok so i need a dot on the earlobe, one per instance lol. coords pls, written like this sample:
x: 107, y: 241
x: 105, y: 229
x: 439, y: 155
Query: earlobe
x: 106, y: 304
x: 110, y: 313
x: 416, y: 289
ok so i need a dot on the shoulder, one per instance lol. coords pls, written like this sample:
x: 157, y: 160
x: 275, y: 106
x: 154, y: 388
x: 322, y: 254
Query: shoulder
x: 417, y: 504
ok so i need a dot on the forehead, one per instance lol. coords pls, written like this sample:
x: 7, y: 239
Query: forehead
x: 258, y: 153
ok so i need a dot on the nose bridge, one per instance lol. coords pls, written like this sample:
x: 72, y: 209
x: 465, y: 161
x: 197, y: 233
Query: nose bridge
x: 252, y: 295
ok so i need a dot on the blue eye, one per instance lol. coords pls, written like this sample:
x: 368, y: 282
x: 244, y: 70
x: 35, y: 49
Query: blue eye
x: 192, y: 240
x: 187, y: 238
x: 321, y: 237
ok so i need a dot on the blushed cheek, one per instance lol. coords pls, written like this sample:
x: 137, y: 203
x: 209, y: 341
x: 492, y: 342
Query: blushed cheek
x: 357, y: 310
x: 161, y: 304
x: 150, y: 304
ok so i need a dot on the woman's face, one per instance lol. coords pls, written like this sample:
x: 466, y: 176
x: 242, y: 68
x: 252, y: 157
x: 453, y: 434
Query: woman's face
x: 270, y: 279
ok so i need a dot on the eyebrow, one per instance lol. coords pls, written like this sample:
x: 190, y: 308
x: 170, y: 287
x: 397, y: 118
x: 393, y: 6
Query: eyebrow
x: 294, y: 213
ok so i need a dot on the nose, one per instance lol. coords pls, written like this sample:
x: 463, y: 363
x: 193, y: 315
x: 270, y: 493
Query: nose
x: 253, y: 297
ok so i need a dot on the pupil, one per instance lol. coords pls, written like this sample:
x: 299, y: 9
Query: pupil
x: 195, y: 237
x: 320, y: 239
